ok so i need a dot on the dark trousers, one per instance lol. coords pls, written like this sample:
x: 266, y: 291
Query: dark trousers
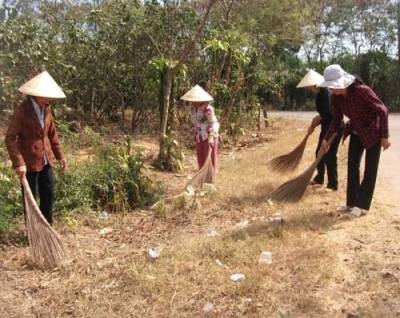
x: 42, y: 183
x: 360, y: 193
x: 329, y: 161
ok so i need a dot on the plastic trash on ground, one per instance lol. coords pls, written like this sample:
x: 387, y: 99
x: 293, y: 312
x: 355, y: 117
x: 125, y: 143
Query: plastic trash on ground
x: 211, y: 232
x: 219, y: 263
x: 105, y: 231
x: 103, y: 215
x: 283, y: 312
x: 276, y: 219
x: 208, y: 307
x: 189, y: 191
x: 237, y: 277
x: 265, y: 258
x: 242, y: 223
x: 154, y: 253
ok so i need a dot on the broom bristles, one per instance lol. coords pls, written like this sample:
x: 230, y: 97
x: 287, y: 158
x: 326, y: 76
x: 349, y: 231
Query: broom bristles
x: 289, y: 162
x: 293, y: 190
x: 204, y: 175
x: 46, y: 246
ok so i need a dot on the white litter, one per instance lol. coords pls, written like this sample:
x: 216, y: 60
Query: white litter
x: 219, y: 262
x: 189, y: 191
x: 276, y: 219
x: 265, y: 258
x: 242, y: 223
x: 237, y: 277
x: 154, y: 253
x: 103, y: 215
x: 208, y: 307
x: 211, y: 232
x: 105, y: 231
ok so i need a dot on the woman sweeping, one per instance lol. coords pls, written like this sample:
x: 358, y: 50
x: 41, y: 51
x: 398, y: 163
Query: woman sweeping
x: 32, y: 140
x: 205, y: 125
x: 368, y: 130
x: 311, y: 82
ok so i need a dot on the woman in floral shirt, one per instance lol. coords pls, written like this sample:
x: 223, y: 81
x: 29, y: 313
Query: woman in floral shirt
x: 205, y: 125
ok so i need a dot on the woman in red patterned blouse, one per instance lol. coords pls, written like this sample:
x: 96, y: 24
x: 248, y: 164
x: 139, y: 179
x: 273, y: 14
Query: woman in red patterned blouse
x: 368, y: 130
x: 205, y: 125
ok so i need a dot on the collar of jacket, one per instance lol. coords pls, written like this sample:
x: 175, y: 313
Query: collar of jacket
x: 30, y: 111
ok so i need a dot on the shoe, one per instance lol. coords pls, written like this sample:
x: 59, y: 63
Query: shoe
x: 332, y: 188
x: 344, y: 209
x: 356, y: 212
x: 313, y: 182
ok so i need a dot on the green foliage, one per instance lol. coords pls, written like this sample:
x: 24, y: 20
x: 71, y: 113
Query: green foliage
x: 87, y: 137
x: 110, y: 56
x: 10, y: 193
x: 114, y: 181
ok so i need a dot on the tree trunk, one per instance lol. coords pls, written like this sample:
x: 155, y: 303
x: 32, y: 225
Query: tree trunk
x: 398, y: 31
x: 166, y: 85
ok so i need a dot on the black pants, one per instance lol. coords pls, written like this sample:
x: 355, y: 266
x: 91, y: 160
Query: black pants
x: 42, y: 184
x: 329, y: 161
x: 360, y: 193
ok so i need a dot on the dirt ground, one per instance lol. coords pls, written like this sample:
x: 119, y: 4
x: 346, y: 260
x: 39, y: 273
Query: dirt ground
x: 323, y: 265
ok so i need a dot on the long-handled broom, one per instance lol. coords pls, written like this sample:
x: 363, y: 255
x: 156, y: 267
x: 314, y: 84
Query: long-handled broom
x: 293, y: 190
x: 289, y: 162
x: 204, y: 175
x: 47, y: 249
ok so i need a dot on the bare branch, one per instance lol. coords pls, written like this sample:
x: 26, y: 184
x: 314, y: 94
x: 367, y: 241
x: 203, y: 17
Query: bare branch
x: 190, y: 46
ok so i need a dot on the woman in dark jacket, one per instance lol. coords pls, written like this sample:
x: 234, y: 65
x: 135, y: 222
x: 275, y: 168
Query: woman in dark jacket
x: 368, y: 130
x: 311, y: 83
x: 32, y: 141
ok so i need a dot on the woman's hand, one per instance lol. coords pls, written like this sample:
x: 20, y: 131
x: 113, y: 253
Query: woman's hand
x: 314, y: 123
x: 385, y: 143
x: 63, y: 164
x: 21, y: 172
x: 324, y: 146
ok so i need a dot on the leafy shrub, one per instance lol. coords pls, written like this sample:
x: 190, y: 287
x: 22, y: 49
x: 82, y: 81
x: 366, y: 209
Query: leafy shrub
x: 10, y: 193
x: 113, y: 181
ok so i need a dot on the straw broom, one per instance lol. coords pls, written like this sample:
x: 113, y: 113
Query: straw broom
x: 204, y: 175
x: 45, y: 243
x: 293, y: 190
x: 290, y: 161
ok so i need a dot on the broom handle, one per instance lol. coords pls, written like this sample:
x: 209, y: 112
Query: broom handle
x: 321, y: 153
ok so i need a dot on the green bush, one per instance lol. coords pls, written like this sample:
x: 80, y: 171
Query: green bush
x: 10, y: 193
x: 113, y: 181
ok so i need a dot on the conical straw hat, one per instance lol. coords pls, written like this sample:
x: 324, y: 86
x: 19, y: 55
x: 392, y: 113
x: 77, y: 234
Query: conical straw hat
x: 42, y: 85
x: 197, y: 94
x: 312, y: 78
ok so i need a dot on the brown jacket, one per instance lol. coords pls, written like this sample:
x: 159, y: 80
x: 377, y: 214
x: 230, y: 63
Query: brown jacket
x: 26, y: 141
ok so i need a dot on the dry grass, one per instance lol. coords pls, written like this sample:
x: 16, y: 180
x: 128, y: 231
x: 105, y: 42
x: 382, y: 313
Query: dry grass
x: 112, y: 276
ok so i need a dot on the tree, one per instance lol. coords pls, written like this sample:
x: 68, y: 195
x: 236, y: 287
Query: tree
x: 174, y: 57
